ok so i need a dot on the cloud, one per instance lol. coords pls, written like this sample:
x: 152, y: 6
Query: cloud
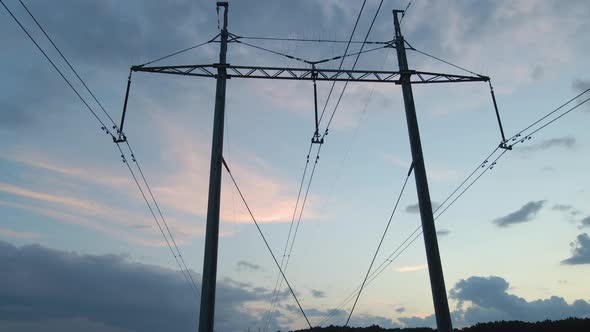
x: 486, y: 299
x: 318, y: 294
x: 12, y: 234
x: 107, y: 219
x: 537, y: 73
x: 489, y: 300
x: 443, y: 232
x: 415, y: 321
x: 415, y: 208
x: 562, y: 207
x: 568, y: 210
x: 270, y: 197
x: 243, y: 265
x: 524, y: 214
x: 567, y: 142
x: 400, y: 310
x: 579, y: 86
x: 41, y: 287
x: 585, y: 222
x: 580, y: 251
x: 411, y: 268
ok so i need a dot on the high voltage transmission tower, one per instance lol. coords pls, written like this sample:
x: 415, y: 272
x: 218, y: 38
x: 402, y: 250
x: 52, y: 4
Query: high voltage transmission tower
x: 405, y: 77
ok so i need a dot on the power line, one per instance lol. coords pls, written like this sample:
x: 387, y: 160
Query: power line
x: 68, y: 63
x: 331, y: 117
x: 264, y: 239
x: 380, y: 243
x: 177, y: 255
x: 176, y: 258
x: 316, y: 158
x: 136, y: 161
x: 103, y: 125
x: 353, y: 66
x: 441, y: 60
x: 179, y: 52
x: 490, y: 165
x: 342, y: 61
x: 354, y: 135
x: 401, y: 247
x: 288, y: 256
x: 275, y: 294
x: 288, y: 56
x: 404, y: 12
x: 275, y: 291
x: 555, y: 119
x: 519, y: 134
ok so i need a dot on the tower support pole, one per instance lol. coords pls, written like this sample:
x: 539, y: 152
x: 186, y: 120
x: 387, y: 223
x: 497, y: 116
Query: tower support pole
x: 208, y: 285
x: 437, y: 282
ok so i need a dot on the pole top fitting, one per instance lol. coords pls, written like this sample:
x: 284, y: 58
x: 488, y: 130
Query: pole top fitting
x: 222, y: 4
x: 398, y: 11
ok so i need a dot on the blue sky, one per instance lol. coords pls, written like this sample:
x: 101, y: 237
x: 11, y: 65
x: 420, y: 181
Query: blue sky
x: 517, y: 239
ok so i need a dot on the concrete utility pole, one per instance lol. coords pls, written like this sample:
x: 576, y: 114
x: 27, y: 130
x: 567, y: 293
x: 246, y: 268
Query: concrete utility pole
x: 437, y: 282
x: 207, y: 310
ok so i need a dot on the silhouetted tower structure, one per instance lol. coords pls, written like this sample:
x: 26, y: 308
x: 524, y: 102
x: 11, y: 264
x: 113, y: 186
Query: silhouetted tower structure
x: 405, y: 77
x: 437, y: 281
x: 207, y: 310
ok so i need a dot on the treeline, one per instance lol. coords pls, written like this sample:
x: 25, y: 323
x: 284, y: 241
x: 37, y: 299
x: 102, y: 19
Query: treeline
x: 565, y: 325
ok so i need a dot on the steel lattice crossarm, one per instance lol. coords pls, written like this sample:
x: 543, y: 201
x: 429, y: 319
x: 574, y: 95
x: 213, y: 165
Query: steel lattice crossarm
x: 309, y: 74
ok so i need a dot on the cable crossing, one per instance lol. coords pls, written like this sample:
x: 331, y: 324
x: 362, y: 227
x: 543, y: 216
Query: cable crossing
x: 275, y: 294
x: 489, y: 162
x: 380, y: 243
x: 265, y: 241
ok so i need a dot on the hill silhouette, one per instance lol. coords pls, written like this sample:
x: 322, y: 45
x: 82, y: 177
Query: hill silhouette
x: 565, y: 325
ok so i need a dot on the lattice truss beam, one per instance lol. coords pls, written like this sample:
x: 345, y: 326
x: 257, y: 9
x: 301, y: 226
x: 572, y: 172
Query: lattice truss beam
x: 310, y: 74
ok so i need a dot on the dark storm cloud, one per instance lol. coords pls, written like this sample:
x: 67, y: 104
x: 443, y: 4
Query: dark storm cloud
x: 100, y: 38
x: 486, y: 299
x: 567, y: 142
x: 36, y: 92
x: 40, y: 286
x: 526, y: 213
x: 243, y: 265
x: 580, y: 251
x: 415, y: 208
x: 413, y: 321
x: 100, y: 32
x: 490, y: 301
x: 318, y: 294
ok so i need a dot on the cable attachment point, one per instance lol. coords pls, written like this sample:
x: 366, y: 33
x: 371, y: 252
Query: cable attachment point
x: 505, y: 146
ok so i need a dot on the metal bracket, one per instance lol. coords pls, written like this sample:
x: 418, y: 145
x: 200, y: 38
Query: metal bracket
x: 121, y: 136
x: 316, y: 139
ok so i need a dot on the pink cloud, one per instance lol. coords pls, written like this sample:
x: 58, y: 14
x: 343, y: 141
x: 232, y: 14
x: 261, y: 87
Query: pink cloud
x: 185, y: 188
x: 9, y: 233
x: 411, y: 268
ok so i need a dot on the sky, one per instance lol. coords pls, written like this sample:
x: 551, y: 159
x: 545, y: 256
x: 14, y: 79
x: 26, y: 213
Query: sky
x: 82, y: 250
